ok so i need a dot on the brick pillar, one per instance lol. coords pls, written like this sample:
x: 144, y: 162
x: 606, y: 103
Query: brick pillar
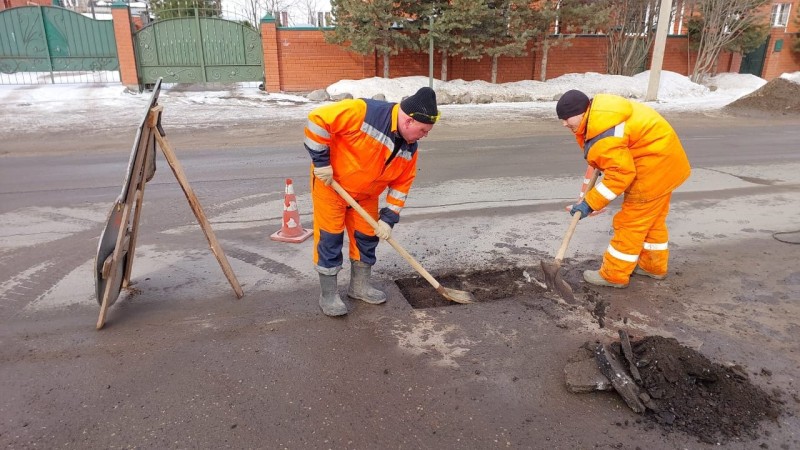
x: 736, y: 63
x: 272, y: 63
x: 123, y: 33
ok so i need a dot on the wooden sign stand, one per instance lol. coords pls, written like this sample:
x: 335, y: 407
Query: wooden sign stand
x: 114, y: 263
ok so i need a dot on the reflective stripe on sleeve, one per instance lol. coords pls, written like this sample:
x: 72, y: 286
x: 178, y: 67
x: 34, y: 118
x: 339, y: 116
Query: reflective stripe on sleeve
x: 656, y: 245
x: 605, y: 192
x: 394, y: 208
x: 402, y: 196
x: 318, y: 130
x: 619, y: 130
x: 621, y: 256
x: 314, y: 146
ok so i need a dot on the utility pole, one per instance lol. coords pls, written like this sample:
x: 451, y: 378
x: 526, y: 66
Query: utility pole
x: 430, y: 53
x: 658, y: 51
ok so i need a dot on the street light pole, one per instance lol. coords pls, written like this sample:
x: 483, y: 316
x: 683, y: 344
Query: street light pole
x: 430, y: 54
x: 658, y: 50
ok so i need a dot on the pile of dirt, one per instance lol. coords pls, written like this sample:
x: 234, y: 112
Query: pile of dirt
x: 712, y: 402
x: 779, y: 96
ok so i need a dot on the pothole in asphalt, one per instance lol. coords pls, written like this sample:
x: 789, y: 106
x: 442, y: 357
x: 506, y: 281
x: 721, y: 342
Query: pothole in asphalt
x: 485, y: 285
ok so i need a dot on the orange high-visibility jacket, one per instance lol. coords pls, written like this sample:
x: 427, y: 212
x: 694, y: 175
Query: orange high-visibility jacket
x: 357, y: 137
x: 636, y: 149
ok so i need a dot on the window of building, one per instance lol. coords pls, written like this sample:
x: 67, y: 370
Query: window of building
x: 780, y: 14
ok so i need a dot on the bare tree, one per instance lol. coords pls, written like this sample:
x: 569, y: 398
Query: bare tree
x: 796, y: 43
x: 254, y: 10
x: 631, y: 34
x: 720, y: 24
x: 308, y: 10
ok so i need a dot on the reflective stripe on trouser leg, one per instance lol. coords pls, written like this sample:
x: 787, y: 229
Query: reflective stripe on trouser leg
x: 329, y: 220
x: 360, y: 233
x: 631, y: 226
x: 655, y: 254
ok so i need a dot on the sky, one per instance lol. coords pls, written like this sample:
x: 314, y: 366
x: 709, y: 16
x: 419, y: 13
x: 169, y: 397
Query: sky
x: 66, y: 106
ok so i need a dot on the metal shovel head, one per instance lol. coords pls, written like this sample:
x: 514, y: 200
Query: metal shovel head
x: 555, y: 282
x: 455, y: 295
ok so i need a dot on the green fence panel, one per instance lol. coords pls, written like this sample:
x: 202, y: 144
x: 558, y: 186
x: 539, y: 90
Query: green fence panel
x: 78, y: 42
x: 168, y: 49
x: 231, y: 51
x: 199, y: 49
x: 43, y: 39
x: 23, y: 43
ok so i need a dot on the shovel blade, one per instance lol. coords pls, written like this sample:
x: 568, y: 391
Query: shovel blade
x: 564, y: 289
x: 455, y: 295
x: 550, y: 271
x: 555, y: 282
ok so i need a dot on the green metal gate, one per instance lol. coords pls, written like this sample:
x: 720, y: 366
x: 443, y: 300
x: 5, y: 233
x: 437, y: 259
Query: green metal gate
x: 45, y: 44
x: 198, y: 50
x: 753, y: 62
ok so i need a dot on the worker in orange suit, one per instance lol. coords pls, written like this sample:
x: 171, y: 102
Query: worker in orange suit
x: 640, y: 156
x: 367, y: 146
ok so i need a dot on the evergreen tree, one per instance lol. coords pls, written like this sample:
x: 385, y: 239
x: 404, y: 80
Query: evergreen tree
x: 506, y: 31
x: 383, y: 26
x: 454, y: 25
x: 566, y: 18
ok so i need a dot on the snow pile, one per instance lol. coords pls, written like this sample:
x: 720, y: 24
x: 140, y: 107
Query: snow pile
x: 793, y: 77
x: 741, y: 84
x: 67, y: 106
x: 672, y: 86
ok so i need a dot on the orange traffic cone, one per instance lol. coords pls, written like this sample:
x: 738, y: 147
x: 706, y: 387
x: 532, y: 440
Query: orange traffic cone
x: 291, y: 231
x: 586, y: 177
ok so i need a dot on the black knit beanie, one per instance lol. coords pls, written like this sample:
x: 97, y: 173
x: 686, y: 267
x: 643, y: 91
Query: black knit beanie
x: 572, y: 103
x: 421, y: 106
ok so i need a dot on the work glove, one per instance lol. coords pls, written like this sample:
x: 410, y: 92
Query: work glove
x: 583, y: 207
x: 325, y: 174
x: 384, y: 230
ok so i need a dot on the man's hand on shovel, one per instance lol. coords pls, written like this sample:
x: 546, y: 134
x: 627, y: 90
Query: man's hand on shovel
x: 325, y: 174
x: 383, y: 230
x: 583, y: 207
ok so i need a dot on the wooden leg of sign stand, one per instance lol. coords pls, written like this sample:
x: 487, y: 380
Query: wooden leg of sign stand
x: 133, y: 232
x: 177, y: 169
x: 137, y: 212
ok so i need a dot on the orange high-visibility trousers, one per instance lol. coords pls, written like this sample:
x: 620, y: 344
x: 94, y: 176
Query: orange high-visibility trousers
x: 332, y: 216
x: 640, y: 237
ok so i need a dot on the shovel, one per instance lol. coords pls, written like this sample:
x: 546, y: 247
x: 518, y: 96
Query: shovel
x: 450, y: 294
x: 552, y: 271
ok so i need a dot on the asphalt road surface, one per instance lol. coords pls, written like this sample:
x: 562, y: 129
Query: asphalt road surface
x: 182, y: 364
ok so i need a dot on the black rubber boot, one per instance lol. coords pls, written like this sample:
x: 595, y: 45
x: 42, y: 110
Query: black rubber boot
x: 329, y: 300
x: 359, y: 284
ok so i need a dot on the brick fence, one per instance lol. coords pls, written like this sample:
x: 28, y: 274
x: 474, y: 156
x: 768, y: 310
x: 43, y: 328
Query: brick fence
x: 299, y: 59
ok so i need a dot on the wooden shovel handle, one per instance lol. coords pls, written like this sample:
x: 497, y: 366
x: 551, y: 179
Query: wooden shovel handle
x: 574, y: 223
x: 407, y: 256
